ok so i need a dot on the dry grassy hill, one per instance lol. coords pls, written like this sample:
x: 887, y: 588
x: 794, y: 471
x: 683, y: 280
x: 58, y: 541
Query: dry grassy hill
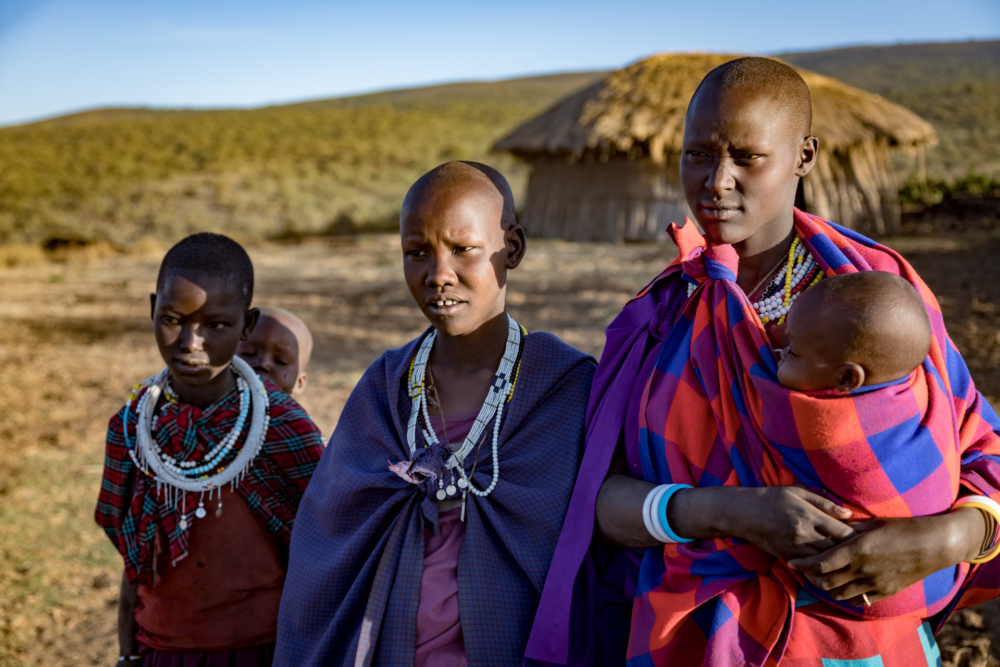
x: 333, y: 166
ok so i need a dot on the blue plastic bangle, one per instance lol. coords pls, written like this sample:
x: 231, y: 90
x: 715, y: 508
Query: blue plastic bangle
x: 664, y: 501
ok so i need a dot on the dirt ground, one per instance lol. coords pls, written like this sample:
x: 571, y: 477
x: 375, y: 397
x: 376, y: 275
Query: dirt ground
x: 75, y: 335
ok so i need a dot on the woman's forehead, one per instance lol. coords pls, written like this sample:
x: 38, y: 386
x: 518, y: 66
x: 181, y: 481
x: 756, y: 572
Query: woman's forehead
x: 739, y: 118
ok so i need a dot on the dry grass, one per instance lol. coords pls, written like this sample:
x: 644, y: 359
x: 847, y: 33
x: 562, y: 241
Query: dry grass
x: 75, y: 335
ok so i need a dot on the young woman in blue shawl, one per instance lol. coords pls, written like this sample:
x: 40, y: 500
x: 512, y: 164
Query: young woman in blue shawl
x: 428, y: 529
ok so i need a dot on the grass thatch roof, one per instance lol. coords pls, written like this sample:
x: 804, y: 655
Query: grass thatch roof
x: 640, y: 110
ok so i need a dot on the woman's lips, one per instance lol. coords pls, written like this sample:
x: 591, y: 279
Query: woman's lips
x: 447, y: 308
x: 716, y: 212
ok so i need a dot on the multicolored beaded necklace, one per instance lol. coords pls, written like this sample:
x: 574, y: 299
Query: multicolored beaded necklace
x: 801, y: 272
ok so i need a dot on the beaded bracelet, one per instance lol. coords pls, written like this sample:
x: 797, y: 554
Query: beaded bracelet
x: 992, y: 508
x: 126, y: 658
x: 654, y: 513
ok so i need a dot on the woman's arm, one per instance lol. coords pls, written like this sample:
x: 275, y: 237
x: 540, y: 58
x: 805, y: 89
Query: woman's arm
x: 128, y: 600
x: 787, y: 522
x: 888, y: 555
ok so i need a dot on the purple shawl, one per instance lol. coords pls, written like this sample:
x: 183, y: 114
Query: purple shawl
x: 357, y: 551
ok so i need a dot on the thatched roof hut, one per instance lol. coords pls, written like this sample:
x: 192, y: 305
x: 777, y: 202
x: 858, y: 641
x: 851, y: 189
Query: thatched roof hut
x: 605, y: 159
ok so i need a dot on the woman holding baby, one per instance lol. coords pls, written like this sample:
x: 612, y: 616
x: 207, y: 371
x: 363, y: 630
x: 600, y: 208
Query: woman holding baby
x: 700, y: 446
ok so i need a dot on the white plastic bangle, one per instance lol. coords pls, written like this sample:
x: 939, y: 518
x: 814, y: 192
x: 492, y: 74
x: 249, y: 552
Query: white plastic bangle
x: 651, y: 515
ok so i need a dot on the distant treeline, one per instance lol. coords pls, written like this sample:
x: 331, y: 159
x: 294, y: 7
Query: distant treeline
x: 337, y: 166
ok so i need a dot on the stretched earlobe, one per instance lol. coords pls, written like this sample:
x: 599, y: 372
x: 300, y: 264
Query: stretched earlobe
x: 852, y: 376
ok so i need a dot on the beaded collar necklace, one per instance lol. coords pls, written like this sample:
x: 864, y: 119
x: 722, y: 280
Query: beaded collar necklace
x: 801, y: 272
x: 501, y: 390
x: 178, y: 477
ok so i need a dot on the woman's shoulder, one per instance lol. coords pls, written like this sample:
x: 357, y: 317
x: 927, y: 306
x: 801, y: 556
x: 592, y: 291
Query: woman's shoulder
x: 550, y: 346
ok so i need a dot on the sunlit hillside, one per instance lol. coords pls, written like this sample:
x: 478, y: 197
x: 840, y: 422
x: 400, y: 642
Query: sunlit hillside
x: 334, y: 166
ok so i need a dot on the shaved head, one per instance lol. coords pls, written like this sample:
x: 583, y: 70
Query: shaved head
x: 873, y: 318
x: 298, y: 329
x: 763, y: 77
x: 466, y: 175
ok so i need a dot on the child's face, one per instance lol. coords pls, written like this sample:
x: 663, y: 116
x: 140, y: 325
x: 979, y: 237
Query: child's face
x: 273, y: 350
x: 741, y: 162
x: 198, y: 321
x: 809, y: 362
x: 456, y: 255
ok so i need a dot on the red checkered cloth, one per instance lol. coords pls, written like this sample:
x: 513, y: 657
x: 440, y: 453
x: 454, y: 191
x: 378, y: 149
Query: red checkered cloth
x: 129, y: 507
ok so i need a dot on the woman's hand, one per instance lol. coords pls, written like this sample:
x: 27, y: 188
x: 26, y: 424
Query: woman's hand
x: 887, y: 555
x: 785, y: 521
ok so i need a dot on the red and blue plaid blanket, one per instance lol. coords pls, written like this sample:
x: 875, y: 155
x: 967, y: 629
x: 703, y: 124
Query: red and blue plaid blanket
x: 129, y: 507
x: 713, y: 414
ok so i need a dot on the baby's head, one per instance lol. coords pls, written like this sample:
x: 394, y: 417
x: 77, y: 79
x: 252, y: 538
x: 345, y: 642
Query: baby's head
x: 279, y: 348
x: 852, y: 330
x: 201, y: 310
x: 459, y: 238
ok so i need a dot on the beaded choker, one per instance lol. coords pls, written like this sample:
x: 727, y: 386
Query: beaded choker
x: 801, y: 272
x: 501, y: 390
x: 205, y: 475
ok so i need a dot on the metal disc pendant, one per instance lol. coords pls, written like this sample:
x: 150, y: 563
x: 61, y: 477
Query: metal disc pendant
x: 441, y: 495
x: 451, y: 490
x: 200, y: 513
x: 218, y: 512
x: 183, y: 525
x: 462, y: 484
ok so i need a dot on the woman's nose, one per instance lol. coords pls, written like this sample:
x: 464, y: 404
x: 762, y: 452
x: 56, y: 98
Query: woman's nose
x: 441, y: 273
x: 720, y: 177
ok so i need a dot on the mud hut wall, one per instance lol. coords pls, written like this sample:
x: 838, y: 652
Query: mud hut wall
x: 855, y: 187
x: 616, y: 200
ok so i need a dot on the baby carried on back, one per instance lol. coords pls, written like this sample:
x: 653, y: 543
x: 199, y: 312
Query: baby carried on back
x: 717, y: 413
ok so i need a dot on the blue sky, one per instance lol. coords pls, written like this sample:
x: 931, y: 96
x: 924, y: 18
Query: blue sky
x: 58, y: 56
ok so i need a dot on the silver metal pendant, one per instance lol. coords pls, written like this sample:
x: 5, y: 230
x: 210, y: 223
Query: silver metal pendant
x: 462, y: 484
x: 441, y: 495
x: 218, y: 512
x: 200, y: 513
x: 451, y: 490
x: 183, y: 525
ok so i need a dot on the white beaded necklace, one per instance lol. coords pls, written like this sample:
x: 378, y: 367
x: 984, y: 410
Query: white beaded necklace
x: 178, y: 478
x: 501, y: 388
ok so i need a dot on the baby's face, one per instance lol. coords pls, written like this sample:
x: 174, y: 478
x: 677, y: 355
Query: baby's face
x: 807, y: 364
x: 274, y: 352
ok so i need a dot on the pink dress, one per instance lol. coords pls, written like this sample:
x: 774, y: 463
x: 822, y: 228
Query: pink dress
x: 439, y: 628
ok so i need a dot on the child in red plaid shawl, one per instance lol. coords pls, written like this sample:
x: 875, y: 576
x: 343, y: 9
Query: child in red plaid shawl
x: 200, y: 586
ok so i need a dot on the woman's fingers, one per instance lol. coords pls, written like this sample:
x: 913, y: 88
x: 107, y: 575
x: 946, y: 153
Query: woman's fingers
x: 827, y: 506
x: 852, y: 592
x: 833, y: 580
x: 829, y: 561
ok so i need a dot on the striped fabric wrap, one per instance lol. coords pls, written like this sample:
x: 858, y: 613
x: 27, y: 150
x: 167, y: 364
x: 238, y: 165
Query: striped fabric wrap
x: 712, y: 413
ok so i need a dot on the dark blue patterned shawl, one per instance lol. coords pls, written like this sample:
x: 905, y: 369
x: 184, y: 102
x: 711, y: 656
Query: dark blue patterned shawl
x: 357, y: 549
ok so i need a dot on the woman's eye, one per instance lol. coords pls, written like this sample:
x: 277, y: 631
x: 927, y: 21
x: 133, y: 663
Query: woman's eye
x: 415, y: 253
x: 169, y: 320
x: 467, y: 248
x: 218, y: 325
